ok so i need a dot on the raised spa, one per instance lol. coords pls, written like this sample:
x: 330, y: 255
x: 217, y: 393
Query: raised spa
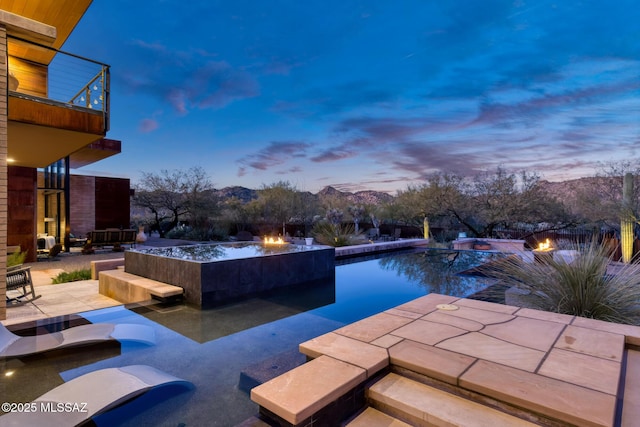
x: 212, y: 274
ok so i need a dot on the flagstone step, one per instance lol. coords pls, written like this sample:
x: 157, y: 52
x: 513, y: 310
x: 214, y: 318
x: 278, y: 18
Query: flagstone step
x: 371, y: 417
x: 421, y: 405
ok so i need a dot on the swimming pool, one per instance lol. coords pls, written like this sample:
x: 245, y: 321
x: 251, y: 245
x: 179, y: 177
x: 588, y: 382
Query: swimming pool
x: 218, y: 349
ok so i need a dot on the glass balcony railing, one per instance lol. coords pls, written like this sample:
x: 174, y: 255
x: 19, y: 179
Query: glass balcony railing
x: 67, y: 80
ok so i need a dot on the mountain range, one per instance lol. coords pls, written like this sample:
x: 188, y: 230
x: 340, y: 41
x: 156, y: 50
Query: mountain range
x: 565, y: 191
x: 357, y: 198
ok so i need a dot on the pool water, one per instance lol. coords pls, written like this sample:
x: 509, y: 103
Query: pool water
x: 216, y: 349
x: 224, y: 251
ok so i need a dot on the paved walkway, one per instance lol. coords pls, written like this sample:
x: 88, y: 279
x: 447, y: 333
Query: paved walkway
x: 72, y: 297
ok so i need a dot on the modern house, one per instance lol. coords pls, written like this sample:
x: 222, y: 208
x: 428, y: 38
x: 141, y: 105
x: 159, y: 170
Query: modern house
x: 54, y: 117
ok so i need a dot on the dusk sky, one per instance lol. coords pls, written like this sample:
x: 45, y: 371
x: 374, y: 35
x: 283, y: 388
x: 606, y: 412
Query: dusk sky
x: 366, y: 95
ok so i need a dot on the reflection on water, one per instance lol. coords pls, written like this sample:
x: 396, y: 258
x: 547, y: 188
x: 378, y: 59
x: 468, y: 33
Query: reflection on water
x: 216, y: 252
x: 207, y: 325
x: 437, y: 270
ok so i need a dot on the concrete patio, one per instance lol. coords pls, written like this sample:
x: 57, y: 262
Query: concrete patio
x: 58, y: 300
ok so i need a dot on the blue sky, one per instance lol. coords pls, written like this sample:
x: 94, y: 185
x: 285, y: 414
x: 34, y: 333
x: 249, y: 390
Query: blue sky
x: 366, y: 94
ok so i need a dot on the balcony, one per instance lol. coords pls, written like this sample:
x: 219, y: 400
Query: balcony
x: 58, y: 103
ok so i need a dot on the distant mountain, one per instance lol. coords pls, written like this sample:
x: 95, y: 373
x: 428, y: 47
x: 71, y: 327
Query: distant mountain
x: 241, y: 193
x: 358, y: 198
x: 565, y: 191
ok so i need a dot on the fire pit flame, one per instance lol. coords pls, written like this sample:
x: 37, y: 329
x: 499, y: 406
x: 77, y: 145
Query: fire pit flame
x: 545, y: 246
x: 272, y: 241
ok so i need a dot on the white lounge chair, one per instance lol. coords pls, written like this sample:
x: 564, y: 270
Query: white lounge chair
x: 101, y: 390
x: 12, y: 345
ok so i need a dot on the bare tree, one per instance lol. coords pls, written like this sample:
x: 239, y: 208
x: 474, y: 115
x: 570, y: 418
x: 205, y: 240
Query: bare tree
x: 174, y: 195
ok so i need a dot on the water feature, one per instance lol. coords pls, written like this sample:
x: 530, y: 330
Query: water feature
x: 214, y: 348
x: 217, y: 273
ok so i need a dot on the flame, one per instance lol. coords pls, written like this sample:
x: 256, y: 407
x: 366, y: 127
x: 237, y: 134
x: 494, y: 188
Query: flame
x: 272, y: 241
x: 544, y: 246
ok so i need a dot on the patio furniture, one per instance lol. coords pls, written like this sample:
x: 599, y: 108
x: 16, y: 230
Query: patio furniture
x: 19, y: 279
x: 112, y: 237
x: 94, y: 393
x: 12, y: 345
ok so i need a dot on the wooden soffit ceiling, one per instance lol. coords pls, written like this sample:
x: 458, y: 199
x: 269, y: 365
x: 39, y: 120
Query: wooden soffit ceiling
x: 64, y: 15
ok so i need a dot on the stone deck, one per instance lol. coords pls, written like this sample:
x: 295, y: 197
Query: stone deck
x: 529, y: 365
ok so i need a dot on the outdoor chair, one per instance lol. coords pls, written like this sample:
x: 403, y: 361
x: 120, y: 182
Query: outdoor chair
x: 91, y: 394
x: 12, y: 345
x: 19, y: 279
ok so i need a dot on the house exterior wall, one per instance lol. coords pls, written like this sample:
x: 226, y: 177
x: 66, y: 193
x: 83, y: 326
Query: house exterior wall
x: 3, y: 172
x: 98, y: 203
x: 21, y: 209
x: 112, y: 203
x: 83, y: 204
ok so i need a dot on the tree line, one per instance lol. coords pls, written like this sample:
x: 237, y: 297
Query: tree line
x: 183, y: 203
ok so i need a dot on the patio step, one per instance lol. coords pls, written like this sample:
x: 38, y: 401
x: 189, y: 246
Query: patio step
x: 127, y: 288
x: 421, y: 405
x: 373, y: 418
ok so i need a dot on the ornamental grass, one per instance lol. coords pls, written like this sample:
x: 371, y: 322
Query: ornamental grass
x: 587, y: 284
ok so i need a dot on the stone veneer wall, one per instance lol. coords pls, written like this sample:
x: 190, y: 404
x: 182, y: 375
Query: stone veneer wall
x: 3, y: 170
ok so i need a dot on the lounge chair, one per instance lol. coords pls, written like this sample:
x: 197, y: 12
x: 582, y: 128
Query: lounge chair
x: 93, y: 393
x: 12, y: 345
x: 19, y: 277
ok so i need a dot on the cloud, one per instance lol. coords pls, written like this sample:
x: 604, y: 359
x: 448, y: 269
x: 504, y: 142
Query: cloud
x: 276, y: 153
x: 186, y: 80
x: 148, y: 125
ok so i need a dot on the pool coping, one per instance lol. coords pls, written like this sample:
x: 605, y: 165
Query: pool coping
x: 546, y: 366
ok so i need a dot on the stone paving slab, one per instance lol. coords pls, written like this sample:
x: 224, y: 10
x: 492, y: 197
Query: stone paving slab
x: 485, y: 347
x: 298, y: 394
x: 581, y: 369
x: 373, y: 327
x: 428, y: 406
x: 631, y: 333
x: 596, y: 343
x: 540, y: 335
x: 373, y: 418
x: 562, y: 367
x: 554, y: 398
x: 431, y: 361
x: 429, y: 333
x: 367, y: 356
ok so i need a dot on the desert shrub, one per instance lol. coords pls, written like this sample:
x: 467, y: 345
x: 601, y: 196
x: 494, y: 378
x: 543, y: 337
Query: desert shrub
x: 582, y: 286
x: 73, y: 276
x: 178, y: 232
x: 330, y: 234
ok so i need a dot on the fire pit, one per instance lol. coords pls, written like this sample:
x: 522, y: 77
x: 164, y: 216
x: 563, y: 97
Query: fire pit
x: 543, y: 254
